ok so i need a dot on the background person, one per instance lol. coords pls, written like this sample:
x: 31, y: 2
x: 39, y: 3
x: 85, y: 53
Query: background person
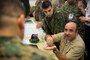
x: 26, y: 4
x: 86, y: 19
x: 72, y: 12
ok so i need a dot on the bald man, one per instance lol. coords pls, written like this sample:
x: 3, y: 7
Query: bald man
x: 72, y: 46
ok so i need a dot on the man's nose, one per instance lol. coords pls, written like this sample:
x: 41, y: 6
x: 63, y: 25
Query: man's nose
x: 67, y: 32
x: 48, y: 13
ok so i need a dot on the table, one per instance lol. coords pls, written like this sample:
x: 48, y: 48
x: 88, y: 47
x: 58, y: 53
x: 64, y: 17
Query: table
x: 30, y: 28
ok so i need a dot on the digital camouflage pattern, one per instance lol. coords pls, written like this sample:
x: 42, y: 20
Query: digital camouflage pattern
x: 39, y: 15
x: 12, y: 49
x: 55, y: 23
x: 67, y: 8
x: 38, y: 10
x: 85, y: 2
x: 57, y: 3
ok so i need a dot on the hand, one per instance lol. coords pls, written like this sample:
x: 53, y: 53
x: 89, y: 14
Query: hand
x: 55, y: 50
x: 60, y: 55
x: 57, y: 53
x: 80, y: 5
x: 39, y: 24
x: 33, y: 14
x: 49, y: 48
x: 82, y: 18
x: 28, y: 17
x: 49, y: 40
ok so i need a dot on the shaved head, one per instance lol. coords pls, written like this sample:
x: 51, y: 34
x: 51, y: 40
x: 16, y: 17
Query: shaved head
x: 11, y: 18
x: 72, y: 25
x: 70, y: 30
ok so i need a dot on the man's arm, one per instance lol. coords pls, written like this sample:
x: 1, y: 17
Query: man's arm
x: 81, y: 7
x: 83, y: 19
x: 49, y: 40
x: 59, y: 55
x: 53, y: 38
x: 75, y: 53
x: 45, y: 25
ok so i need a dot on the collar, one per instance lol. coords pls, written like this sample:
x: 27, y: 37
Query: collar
x: 71, y: 42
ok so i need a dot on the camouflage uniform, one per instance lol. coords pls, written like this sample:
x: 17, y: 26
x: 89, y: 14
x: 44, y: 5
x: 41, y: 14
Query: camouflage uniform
x: 12, y: 49
x: 57, y: 3
x: 76, y: 13
x: 38, y: 11
x: 39, y: 15
x: 56, y: 23
x: 85, y: 2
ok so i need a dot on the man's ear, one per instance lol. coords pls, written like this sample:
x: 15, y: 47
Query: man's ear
x: 21, y: 25
x: 21, y: 21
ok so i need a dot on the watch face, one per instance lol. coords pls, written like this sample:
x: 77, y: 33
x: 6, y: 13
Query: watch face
x: 70, y: 17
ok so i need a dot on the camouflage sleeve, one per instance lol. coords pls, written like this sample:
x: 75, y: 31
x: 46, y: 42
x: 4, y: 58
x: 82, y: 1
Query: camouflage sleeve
x: 36, y: 54
x: 57, y: 24
x: 47, y: 29
x: 64, y: 9
x: 19, y: 52
x: 39, y: 15
x: 60, y: 23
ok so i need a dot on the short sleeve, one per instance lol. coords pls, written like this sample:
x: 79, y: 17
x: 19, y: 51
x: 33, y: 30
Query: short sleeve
x: 75, y: 53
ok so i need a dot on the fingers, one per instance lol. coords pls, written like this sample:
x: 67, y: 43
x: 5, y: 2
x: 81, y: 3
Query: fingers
x: 83, y: 19
x: 50, y: 48
x: 39, y: 24
x: 55, y: 50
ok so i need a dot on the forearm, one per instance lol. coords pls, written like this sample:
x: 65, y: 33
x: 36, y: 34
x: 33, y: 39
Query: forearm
x: 84, y: 19
x: 53, y: 37
x: 59, y: 55
x: 49, y: 40
x: 87, y: 19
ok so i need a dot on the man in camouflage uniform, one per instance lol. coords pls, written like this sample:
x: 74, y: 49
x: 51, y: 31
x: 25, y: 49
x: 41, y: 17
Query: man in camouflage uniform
x: 26, y: 4
x: 11, y: 34
x: 85, y: 2
x: 72, y: 13
x: 38, y: 11
x: 57, y: 3
x: 39, y: 15
x: 54, y: 21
